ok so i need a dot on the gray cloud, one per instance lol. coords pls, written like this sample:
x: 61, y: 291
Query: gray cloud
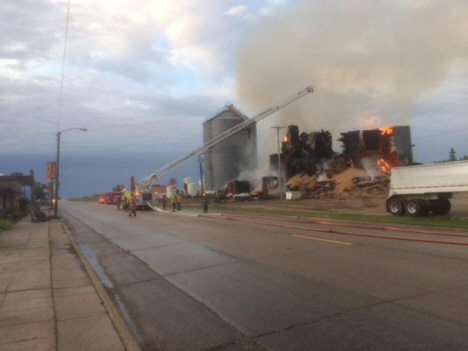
x: 29, y: 29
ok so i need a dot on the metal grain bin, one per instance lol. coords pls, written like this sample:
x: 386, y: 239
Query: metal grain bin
x: 225, y: 161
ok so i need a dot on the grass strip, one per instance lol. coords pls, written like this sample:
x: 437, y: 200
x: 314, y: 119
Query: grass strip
x: 441, y: 222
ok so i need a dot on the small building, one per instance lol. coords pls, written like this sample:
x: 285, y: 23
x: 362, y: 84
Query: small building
x: 10, y: 193
x: 237, y: 187
x: 11, y: 189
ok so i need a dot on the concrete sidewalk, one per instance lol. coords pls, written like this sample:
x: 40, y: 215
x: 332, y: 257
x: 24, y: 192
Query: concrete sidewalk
x: 47, y: 301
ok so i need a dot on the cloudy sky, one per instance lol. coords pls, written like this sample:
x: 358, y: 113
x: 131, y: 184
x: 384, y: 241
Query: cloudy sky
x: 143, y: 75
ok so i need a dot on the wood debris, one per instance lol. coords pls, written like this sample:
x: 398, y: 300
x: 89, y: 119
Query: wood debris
x: 337, y: 183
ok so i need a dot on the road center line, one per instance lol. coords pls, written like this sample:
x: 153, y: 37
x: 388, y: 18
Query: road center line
x: 328, y: 241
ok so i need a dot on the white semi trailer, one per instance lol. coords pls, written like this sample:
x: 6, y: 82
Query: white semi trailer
x: 416, y: 190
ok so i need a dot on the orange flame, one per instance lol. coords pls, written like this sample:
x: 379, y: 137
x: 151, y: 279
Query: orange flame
x: 285, y: 139
x: 384, y: 166
x: 386, y: 130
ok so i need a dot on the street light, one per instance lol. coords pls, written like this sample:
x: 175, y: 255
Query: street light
x: 57, y: 167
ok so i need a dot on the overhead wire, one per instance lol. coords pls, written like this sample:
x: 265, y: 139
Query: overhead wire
x: 428, y: 112
x: 438, y: 134
x: 63, y: 67
x: 432, y: 110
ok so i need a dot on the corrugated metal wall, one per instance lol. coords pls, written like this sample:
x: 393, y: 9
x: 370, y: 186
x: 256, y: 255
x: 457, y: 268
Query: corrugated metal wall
x: 225, y: 161
x: 403, y: 144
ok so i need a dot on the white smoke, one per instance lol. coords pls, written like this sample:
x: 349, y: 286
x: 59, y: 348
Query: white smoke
x: 322, y: 169
x: 369, y: 60
x: 255, y: 175
x: 370, y: 166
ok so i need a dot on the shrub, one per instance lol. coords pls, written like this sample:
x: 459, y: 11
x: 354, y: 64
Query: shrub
x: 15, y: 213
x: 5, y: 224
x: 18, y: 214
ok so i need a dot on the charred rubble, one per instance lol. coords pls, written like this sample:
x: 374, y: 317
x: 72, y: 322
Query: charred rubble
x: 305, y: 152
x: 362, y: 168
x: 390, y: 145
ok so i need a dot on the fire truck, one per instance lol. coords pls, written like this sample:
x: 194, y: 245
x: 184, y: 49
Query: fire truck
x: 144, y: 199
x: 105, y: 198
x: 115, y: 196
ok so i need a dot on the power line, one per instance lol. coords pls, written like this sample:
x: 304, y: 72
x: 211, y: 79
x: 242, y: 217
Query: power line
x: 438, y: 134
x: 63, y: 66
x: 432, y: 110
x: 426, y: 112
x: 458, y: 115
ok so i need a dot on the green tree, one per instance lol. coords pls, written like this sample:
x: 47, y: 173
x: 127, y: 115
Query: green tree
x: 452, y: 155
x: 39, y: 190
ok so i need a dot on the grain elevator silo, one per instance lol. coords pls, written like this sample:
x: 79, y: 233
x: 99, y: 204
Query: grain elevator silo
x: 226, y: 160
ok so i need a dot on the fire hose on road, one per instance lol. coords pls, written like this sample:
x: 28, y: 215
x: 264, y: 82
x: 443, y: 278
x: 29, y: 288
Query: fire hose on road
x: 239, y: 218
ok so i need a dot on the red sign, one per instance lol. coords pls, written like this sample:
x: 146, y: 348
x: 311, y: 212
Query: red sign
x: 50, y: 170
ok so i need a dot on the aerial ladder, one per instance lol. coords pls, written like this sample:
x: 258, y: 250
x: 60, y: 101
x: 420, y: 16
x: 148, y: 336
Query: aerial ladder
x: 145, y: 184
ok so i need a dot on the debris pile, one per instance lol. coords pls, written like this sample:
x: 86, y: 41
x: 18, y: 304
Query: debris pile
x: 352, y: 181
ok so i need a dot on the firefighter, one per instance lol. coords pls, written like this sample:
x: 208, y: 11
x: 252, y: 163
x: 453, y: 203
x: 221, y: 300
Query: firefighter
x: 164, y: 201
x: 132, y: 206
x: 119, y: 202
x: 173, y: 202
x: 178, y: 202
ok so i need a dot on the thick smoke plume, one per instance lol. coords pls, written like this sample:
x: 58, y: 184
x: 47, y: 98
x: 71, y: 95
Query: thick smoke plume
x: 370, y: 61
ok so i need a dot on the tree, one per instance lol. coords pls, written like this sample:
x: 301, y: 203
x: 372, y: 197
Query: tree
x: 117, y: 188
x: 452, y: 156
x: 39, y: 190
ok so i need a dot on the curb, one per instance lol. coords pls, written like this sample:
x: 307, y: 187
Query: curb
x: 120, y: 326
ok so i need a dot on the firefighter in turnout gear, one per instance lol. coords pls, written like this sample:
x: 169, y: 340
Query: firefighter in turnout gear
x: 132, y: 206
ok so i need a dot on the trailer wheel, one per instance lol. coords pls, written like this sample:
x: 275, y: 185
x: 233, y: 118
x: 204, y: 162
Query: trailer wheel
x: 413, y: 208
x: 424, y: 207
x: 396, y: 207
x: 441, y: 207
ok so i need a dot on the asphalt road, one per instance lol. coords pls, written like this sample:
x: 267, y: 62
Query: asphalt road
x: 184, y: 282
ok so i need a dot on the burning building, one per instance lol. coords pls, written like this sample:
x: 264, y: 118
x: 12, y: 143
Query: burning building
x: 311, y: 167
x: 305, y: 152
x: 389, y: 146
x: 225, y: 161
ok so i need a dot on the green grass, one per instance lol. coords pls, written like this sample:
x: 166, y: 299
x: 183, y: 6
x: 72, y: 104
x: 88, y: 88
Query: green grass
x: 405, y: 220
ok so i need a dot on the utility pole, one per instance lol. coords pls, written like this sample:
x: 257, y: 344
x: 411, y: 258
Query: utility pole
x: 201, y: 174
x: 57, y: 168
x: 280, y: 178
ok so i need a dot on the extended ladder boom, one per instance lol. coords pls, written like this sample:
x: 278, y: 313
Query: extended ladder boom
x: 145, y: 184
